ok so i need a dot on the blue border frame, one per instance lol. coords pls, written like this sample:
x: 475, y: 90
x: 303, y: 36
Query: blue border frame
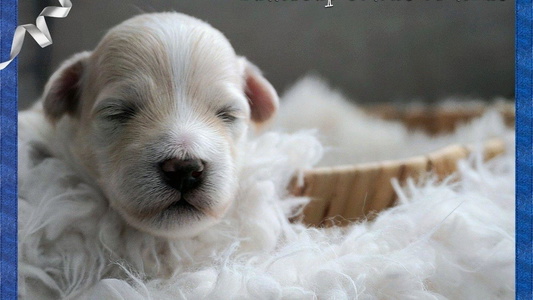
x: 8, y: 155
x: 524, y: 148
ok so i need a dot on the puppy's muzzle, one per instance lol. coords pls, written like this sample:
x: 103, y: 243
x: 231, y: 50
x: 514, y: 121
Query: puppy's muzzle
x: 184, y: 175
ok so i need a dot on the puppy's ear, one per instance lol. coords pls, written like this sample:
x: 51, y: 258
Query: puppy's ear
x: 263, y: 98
x: 62, y: 92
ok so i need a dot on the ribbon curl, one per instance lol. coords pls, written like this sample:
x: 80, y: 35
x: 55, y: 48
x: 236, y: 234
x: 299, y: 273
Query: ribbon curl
x: 39, y: 31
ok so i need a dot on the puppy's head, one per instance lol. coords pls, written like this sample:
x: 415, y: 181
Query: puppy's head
x: 157, y: 115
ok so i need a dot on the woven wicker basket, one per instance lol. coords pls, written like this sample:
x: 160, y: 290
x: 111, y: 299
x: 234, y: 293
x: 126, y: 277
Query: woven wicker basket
x: 347, y: 193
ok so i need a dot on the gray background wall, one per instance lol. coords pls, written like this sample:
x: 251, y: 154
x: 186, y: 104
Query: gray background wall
x: 374, y: 51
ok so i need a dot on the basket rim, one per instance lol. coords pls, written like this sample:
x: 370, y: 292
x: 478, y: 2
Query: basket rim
x: 492, y: 145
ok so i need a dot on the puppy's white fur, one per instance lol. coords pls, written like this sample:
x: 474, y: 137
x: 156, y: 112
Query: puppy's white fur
x: 158, y: 87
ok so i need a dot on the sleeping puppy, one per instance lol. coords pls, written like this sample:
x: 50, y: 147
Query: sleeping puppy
x: 156, y: 117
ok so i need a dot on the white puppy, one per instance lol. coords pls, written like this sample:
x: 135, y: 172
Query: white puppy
x: 156, y: 116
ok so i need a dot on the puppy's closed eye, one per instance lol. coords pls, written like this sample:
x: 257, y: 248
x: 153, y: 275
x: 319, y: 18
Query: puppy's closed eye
x: 117, y: 111
x: 112, y: 115
x: 228, y: 114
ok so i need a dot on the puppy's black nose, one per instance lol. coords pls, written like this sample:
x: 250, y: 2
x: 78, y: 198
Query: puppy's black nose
x: 183, y: 175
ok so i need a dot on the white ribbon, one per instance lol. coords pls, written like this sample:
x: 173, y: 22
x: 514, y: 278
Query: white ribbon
x: 40, y: 32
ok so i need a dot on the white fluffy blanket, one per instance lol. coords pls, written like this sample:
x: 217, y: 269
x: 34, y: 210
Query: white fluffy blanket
x: 450, y: 240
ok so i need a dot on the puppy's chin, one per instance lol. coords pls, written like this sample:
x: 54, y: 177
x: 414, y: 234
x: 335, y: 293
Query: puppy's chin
x: 178, y: 231
x: 179, y: 220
